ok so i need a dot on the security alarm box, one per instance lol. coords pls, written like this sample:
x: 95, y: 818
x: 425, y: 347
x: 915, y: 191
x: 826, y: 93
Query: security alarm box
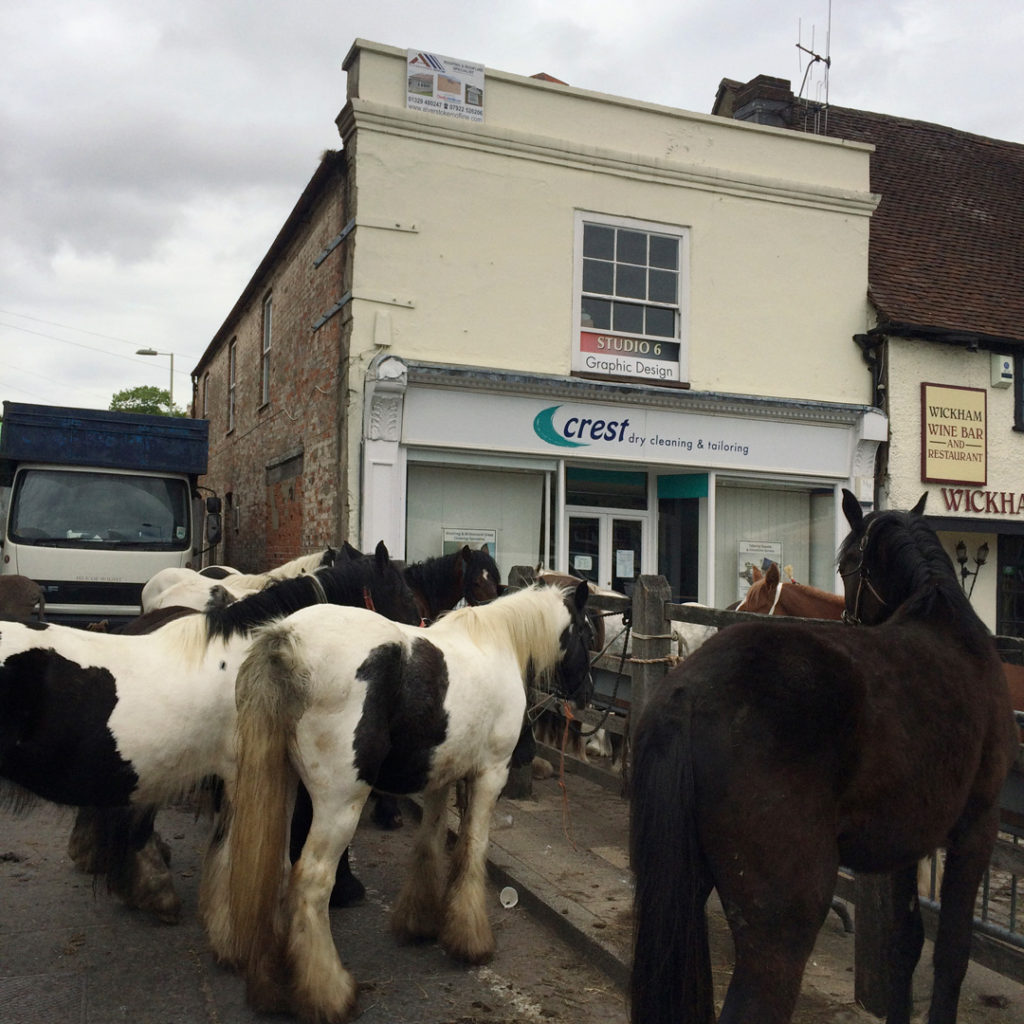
x: 1002, y: 370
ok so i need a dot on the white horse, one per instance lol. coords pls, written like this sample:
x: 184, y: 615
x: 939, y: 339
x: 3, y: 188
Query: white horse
x: 188, y: 588
x: 348, y: 701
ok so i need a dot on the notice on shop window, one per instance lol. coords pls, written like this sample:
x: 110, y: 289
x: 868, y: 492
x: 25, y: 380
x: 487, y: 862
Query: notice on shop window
x: 455, y: 538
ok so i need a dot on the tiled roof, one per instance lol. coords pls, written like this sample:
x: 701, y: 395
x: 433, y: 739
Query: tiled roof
x: 947, y: 239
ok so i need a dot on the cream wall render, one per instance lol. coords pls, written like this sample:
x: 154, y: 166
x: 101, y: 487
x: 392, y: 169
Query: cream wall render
x: 463, y: 241
x: 911, y: 363
x: 778, y: 229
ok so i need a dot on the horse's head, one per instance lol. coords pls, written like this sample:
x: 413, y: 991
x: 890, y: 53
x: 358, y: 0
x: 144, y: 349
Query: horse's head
x: 573, y: 680
x: 386, y: 591
x: 481, y: 577
x: 347, y: 553
x: 763, y: 594
x: 887, y: 557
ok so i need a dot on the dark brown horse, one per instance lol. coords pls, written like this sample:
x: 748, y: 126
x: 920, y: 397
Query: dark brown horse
x: 441, y: 583
x: 770, y: 594
x: 780, y: 750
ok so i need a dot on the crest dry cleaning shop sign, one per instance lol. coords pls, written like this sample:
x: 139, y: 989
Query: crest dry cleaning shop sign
x: 626, y: 433
x: 649, y: 435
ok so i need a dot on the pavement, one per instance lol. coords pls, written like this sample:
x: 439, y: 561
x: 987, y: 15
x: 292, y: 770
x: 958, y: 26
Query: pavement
x: 560, y: 854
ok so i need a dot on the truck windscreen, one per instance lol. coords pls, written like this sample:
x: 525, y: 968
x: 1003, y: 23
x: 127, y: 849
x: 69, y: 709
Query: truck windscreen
x: 72, y: 509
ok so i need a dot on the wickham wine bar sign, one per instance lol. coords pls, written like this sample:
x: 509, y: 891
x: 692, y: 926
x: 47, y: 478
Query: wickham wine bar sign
x: 954, y: 447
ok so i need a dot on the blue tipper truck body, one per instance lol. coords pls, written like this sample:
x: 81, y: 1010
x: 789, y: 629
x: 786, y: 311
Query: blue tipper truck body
x: 96, y: 502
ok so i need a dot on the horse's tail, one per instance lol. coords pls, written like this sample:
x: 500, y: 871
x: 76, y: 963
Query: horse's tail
x: 671, y: 978
x: 271, y: 696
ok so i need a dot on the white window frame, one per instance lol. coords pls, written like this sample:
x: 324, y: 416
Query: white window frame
x: 632, y: 365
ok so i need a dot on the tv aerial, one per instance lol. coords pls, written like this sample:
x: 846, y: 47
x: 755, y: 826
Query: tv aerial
x: 820, y: 104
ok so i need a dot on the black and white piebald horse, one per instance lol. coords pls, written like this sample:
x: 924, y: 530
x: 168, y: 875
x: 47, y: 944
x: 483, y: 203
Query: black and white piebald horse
x: 346, y: 701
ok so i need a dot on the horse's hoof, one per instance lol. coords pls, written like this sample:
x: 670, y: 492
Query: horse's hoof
x: 347, y: 891
x: 542, y: 768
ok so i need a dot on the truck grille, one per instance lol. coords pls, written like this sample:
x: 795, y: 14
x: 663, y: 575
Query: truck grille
x: 87, y: 592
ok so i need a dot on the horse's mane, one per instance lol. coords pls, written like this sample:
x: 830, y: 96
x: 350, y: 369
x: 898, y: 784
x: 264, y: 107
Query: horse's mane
x: 431, y: 573
x: 342, y: 583
x: 907, y: 561
x: 304, y: 564
x: 523, y: 618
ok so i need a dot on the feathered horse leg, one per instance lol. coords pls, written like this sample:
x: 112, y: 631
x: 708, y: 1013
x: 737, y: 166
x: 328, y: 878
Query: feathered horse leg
x: 466, y: 933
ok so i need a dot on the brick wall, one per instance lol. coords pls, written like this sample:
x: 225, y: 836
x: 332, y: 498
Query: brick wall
x: 280, y: 467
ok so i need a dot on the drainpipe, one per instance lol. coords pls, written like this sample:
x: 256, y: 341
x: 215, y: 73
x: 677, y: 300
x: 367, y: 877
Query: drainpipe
x: 870, y: 346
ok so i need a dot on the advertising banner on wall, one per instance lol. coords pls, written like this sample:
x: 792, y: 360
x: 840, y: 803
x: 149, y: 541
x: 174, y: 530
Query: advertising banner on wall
x: 444, y: 85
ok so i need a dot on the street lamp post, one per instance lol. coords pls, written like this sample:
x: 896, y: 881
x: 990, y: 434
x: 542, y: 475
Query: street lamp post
x: 153, y: 352
x: 980, y: 557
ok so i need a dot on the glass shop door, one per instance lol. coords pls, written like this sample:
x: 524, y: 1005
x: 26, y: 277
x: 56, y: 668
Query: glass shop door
x: 607, y: 547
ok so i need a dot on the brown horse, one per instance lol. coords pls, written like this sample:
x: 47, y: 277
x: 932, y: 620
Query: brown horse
x: 771, y: 594
x: 21, y: 598
x: 780, y: 750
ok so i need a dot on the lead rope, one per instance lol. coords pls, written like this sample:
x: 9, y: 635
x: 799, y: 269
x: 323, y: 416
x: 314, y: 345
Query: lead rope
x: 627, y: 626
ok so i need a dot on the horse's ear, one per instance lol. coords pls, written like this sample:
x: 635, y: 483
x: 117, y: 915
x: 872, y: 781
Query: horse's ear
x: 771, y: 577
x: 852, y: 510
x: 918, y: 509
x: 755, y: 574
x: 349, y: 552
x: 381, y: 557
x: 581, y: 595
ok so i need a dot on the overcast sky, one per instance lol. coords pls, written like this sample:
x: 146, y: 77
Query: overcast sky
x: 151, y: 149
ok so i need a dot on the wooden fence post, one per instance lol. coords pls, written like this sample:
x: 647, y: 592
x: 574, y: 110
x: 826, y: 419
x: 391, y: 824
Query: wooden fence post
x: 651, y: 643
x: 872, y: 939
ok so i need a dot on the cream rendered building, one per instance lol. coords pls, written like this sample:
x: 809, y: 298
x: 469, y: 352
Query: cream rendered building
x: 587, y: 331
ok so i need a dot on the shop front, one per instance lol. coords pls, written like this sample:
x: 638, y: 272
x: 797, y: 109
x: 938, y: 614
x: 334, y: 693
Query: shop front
x: 610, y: 481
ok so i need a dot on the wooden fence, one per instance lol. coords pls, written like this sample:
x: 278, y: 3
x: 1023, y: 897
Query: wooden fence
x: 996, y: 945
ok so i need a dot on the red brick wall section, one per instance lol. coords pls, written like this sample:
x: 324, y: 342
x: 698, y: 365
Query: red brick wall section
x: 281, y: 463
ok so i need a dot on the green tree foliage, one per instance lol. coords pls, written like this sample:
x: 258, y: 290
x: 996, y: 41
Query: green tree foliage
x: 145, y: 399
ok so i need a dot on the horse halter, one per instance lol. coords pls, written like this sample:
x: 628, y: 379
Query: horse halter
x: 863, y: 582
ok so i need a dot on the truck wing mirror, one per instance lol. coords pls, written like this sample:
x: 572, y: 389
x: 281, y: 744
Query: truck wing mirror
x: 213, y: 505
x: 213, y: 530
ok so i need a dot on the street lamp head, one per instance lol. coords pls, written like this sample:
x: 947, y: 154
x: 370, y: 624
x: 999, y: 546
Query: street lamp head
x: 153, y: 352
